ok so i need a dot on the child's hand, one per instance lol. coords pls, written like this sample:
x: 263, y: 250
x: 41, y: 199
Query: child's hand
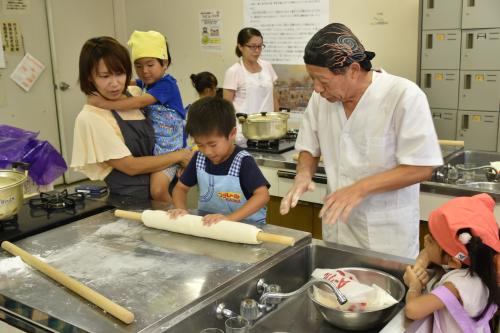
x: 411, y: 279
x: 96, y: 100
x: 210, y: 219
x: 421, y: 274
x: 177, y: 212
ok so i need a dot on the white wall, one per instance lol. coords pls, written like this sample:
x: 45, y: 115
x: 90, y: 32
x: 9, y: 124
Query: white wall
x: 396, y: 43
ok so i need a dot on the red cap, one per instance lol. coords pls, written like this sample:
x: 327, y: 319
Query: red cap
x: 475, y: 213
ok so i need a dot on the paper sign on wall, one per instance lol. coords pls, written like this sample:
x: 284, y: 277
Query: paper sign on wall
x: 27, y: 72
x: 11, y: 37
x: 211, y: 30
x: 2, y: 55
x: 15, y: 5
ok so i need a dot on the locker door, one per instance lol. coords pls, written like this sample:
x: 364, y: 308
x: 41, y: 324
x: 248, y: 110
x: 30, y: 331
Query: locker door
x: 479, y: 90
x: 441, y: 88
x: 441, y: 49
x: 478, y: 129
x: 445, y: 123
x: 481, y: 49
x: 480, y: 14
x: 441, y: 14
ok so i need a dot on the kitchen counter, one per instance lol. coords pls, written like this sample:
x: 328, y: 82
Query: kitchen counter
x: 156, y: 274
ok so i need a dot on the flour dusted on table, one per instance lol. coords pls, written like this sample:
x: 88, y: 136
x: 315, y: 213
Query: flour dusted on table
x: 360, y: 297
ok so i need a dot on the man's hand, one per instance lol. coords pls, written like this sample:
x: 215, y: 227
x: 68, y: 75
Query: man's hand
x: 340, y: 203
x: 211, y: 219
x: 300, y: 185
x: 177, y: 212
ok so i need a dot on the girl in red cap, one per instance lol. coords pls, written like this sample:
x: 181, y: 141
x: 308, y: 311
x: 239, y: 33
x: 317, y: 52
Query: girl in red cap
x: 463, y: 239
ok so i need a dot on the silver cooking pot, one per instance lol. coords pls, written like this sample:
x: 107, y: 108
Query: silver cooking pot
x: 264, y: 125
x: 11, y: 190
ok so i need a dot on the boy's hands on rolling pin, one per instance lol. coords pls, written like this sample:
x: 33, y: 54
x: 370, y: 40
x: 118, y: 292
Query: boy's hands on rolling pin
x: 177, y: 212
x: 210, y: 219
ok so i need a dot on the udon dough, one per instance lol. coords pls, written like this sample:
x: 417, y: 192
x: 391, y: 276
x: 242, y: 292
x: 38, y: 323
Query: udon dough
x: 228, y: 231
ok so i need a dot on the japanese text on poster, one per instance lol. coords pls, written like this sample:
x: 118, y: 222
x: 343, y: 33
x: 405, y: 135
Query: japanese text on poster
x: 27, y: 72
x: 287, y: 26
x: 11, y: 37
x: 211, y: 30
x: 15, y: 5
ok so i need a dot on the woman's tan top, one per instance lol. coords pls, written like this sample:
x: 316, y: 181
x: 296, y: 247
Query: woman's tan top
x: 97, y: 139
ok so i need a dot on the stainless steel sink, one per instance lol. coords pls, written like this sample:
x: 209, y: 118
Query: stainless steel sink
x: 485, y: 186
x: 472, y: 157
x: 295, y: 314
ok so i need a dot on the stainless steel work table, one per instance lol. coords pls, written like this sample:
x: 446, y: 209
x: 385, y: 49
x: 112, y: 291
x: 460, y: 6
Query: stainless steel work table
x: 156, y: 274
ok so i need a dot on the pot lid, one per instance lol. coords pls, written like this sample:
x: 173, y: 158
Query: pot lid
x: 266, y: 117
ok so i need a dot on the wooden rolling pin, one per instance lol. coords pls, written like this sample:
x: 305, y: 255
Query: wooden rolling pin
x: 77, y: 287
x: 451, y: 143
x: 228, y: 231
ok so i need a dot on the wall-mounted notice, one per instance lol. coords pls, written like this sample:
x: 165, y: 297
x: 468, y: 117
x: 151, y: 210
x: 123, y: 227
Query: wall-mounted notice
x: 287, y: 26
x: 11, y: 37
x: 27, y: 72
x: 15, y: 5
x: 211, y: 30
x: 2, y: 54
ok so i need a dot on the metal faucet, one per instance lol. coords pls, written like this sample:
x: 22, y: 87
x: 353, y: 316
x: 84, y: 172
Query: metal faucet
x: 491, y: 173
x: 266, y: 297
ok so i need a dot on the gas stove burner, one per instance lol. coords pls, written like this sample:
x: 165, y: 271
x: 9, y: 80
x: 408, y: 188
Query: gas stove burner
x: 57, y: 201
x: 10, y: 224
x: 263, y: 143
x: 291, y: 134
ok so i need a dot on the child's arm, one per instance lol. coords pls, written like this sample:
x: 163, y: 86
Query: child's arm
x: 259, y: 199
x: 128, y: 103
x: 419, y: 306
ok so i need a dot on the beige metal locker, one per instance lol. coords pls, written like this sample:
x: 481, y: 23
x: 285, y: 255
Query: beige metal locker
x: 479, y: 90
x: 480, y: 49
x: 441, y: 88
x: 478, y: 129
x: 480, y: 14
x: 441, y: 14
x: 445, y: 123
x: 440, y: 49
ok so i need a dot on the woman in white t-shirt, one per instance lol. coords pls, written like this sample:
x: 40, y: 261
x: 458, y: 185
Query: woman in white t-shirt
x: 249, y: 83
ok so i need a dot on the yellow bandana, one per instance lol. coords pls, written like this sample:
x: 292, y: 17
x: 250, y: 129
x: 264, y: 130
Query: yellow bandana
x: 150, y: 44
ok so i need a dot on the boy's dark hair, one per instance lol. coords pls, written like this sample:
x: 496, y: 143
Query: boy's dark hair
x: 203, y: 80
x: 114, y: 55
x: 210, y: 114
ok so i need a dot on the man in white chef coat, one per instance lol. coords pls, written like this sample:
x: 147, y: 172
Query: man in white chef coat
x: 378, y: 142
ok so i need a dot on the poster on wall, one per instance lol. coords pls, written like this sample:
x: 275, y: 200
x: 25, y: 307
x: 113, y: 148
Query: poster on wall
x: 211, y: 30
x: 27, y: 72
x: 15, y: 5
x: 2, y: 54
x: 11, y: 38
x: 286, y: 26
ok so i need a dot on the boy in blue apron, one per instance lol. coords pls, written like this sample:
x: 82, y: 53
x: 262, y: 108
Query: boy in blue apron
x: 231, y: 185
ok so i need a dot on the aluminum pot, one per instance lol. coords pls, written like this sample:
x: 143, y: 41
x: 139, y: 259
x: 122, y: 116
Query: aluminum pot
x: 264, y: 125
x: 11, y: 190
x: 362, y: 321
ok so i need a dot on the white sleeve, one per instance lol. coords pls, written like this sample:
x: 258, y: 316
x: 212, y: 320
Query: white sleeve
x: 307, y: 139
x: 231, y: 78
x: 417, y: 142
x: 270, y: 68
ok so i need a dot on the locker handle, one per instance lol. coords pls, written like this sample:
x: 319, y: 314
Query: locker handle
x: 465, y: 122
x: 471, y: 3
x: 467, y: 81
x: 428, y: 41
x: 430, y: 4
x: 428, y: 80
x: 469, y: 43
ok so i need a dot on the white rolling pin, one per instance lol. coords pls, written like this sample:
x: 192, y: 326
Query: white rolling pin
x: 228, y: 231
x: 77, y: 287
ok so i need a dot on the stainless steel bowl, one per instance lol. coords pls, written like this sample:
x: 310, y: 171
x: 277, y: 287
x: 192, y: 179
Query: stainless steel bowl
x: 358, y: 321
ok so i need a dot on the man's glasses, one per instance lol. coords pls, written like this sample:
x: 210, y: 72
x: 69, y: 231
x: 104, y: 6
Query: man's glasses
x: 255, y: 47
